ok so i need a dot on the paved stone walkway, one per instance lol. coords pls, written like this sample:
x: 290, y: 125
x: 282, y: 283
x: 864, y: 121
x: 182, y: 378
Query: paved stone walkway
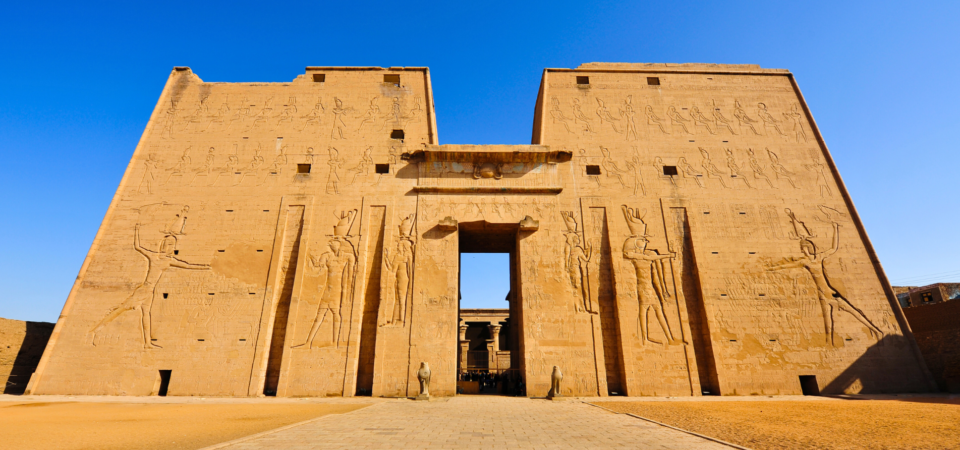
x: 474, y: 422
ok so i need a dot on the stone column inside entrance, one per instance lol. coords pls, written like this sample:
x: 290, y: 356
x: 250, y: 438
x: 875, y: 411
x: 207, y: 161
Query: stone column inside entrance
x: 495, y: 335
x: 464, y: 347
x: 493, y: 346
x: 491, y: 354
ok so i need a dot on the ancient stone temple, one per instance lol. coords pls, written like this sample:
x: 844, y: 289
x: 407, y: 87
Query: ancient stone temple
x: 672, y: 230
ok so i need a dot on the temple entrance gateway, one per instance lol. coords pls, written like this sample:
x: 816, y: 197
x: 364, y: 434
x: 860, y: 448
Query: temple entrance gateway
x: 487, y: 337
x: 672, y: 230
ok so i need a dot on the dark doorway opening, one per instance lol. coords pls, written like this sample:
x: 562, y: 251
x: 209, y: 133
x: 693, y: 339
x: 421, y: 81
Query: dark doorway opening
x: 808, y: 384
x: 164, y: 382
x: 488, y: 345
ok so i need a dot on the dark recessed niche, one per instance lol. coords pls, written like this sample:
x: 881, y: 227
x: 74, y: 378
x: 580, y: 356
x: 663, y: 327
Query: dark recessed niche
x: 176, y: 252
x: 583, y: 81
x: 392, y: 79
x: 165, y: 295
x: 396, y: 134
x: 593, y: 170
x: 670, y: 170
x: 653, y: 81
x: 303, y: 168
x: 382, y: 168
x: 319, y: 77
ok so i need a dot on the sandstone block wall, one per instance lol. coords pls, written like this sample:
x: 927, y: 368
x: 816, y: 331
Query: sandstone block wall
x: 21, y: 346
x: 937, y: 329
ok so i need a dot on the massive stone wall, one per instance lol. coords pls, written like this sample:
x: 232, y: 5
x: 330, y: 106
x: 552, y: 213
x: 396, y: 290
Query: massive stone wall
x: 242, y: 239
x: 673, y: 230
x: 738, y: 262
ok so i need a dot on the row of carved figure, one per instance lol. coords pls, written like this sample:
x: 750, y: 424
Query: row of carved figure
x: 232, y: 172
x: 335, y: 269
x: 651, y: 274
x: 242, y: 117
x: 751, y: 178
x: 674, y: 121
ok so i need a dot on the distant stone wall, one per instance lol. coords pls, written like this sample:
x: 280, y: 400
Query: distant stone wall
x: 21, y: 346
x: 937, y: 330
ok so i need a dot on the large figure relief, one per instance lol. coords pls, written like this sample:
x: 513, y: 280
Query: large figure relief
x: 652, y: 289
x: 576, y: 259
x: 336, y: 270
x: 831, y: 292
x: 400, y: 264
x: 158, y: 262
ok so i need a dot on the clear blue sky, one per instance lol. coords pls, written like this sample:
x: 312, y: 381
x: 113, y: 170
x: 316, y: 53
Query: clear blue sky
x: 79, y: 82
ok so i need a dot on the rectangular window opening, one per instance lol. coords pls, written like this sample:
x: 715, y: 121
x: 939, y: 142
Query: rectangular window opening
x: 392, y: 79
x: 303, y: 168
x: 670, y: 170
x: 176, y: 252
x: 653, y: 81
x: 396, y: 134
x: 319, y: 77
x: 593, y: 170
x: 382, y: 168
x: 583, y: 80
x: 808, y: 385
x: 165, y: 295
x: 164, y: 383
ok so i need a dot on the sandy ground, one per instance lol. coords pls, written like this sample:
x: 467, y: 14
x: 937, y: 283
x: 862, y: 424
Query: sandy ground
x: 89, y: 425
x: 916, y: 423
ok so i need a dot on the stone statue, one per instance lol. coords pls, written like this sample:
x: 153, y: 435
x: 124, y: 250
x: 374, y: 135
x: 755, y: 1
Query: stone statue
x: 555, y: 378
x: 424, y: 376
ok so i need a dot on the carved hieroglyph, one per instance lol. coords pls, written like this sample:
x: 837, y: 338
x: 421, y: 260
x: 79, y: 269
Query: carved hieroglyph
x: 672, y: 230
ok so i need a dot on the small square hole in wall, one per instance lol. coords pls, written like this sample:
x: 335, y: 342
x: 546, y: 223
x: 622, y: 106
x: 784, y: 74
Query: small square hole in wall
x: 382, y: 168
x: 583, y: 80
x: 392, y: 79
x: 319, y: 77
x: 670, y: 170
x: 176, y: 252
x: 653, y: 81
x: 396, y: 134
x: 303, y: 168
x: 593, y: 170
x: 165, y: 295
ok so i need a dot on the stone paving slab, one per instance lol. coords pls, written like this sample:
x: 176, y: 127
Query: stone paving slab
x: 474, y: 422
